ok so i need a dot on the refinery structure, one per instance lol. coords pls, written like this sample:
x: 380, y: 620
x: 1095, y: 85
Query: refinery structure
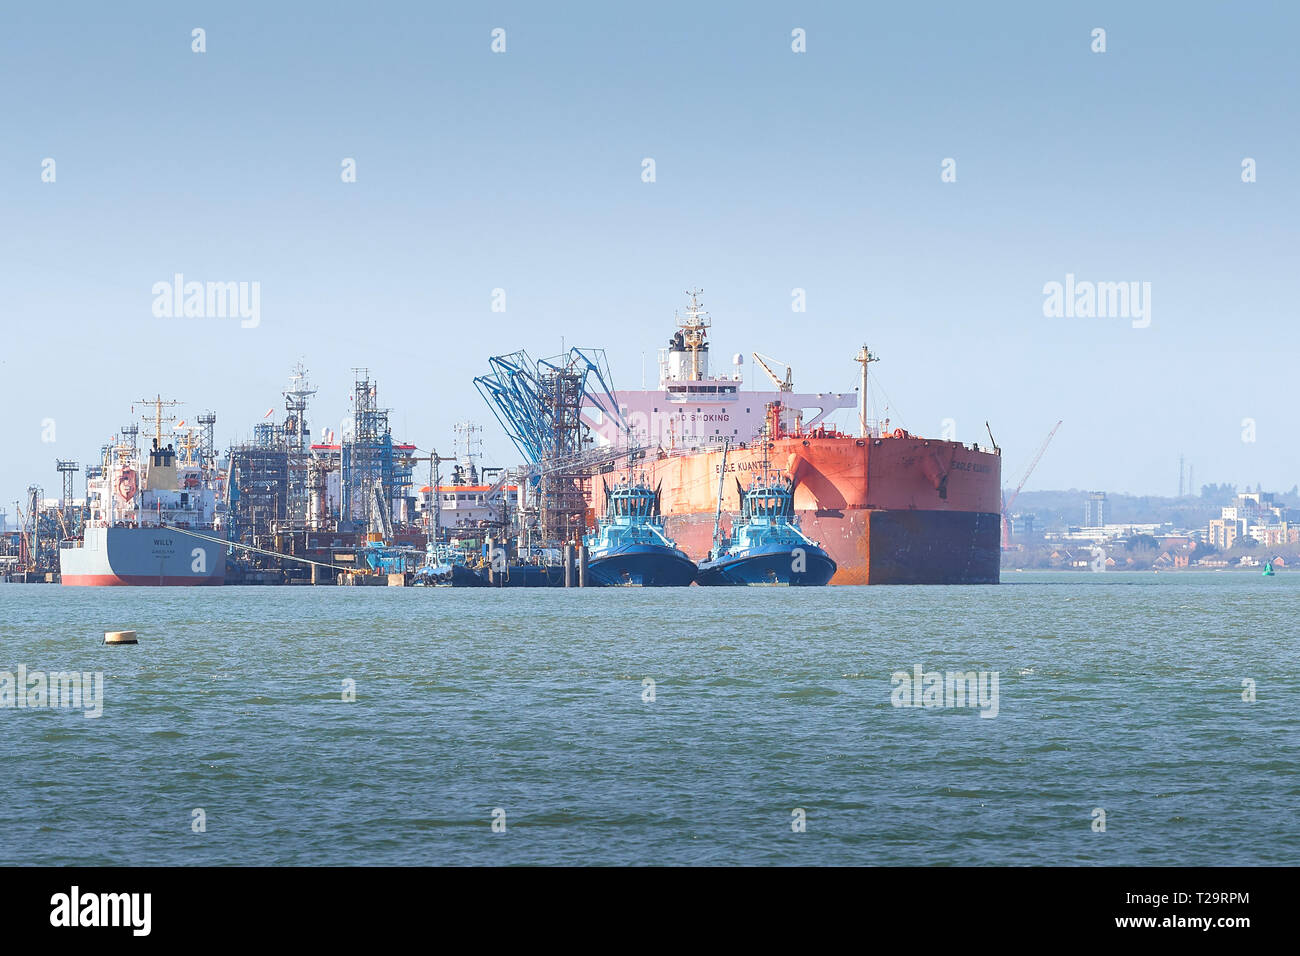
x: 283, y: 506
x: 287, y: 506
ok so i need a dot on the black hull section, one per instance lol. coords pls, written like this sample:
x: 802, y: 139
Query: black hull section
x: 771, y: 568
x: 932, y: 547
x: 525, y: 576
x: 646, y: 566
x: 458, y: 576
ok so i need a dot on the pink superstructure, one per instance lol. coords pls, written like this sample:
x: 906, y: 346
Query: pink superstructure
x: 692, y: 410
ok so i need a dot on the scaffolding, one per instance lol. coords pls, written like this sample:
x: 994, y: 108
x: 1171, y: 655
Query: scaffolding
x: 361, y: 456
x: 298, y: 441
x: 275, y: 489
x: 257, y: 488
x: 375, y: 475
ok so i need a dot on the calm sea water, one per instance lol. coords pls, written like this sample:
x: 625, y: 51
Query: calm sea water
x: 1118, y: 692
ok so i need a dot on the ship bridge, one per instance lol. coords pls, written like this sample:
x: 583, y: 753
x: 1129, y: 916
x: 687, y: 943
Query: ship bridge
x: 693, y: 410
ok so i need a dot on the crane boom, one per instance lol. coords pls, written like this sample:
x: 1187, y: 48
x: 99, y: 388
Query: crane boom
x: 784, y: 386
x: 1006, y: 506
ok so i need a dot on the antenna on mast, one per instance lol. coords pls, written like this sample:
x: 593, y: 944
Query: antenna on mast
x: 157, y: 418
x: 694, y: 331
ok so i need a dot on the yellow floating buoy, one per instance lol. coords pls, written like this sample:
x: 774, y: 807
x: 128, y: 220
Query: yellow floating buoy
x: 120, y: 637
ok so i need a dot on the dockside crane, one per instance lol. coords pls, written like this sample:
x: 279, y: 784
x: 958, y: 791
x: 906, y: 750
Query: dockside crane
x: 1007, y: 503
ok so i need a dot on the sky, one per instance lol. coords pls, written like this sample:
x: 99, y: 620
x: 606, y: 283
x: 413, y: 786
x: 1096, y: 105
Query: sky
x: 774, y: 171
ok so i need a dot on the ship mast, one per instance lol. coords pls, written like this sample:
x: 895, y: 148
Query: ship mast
x: 864, y: 358
x: 157, y: 419
x: 694, y: 334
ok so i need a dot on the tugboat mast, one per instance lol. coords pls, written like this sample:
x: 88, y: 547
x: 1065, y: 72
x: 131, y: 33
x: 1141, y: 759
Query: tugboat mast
x: 722, y: 477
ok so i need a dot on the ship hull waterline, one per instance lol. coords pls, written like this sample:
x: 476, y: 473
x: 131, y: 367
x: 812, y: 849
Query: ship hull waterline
x: 142, y: 557
x: 774, y: 566
x: 887, y: 510
x: 641, y: 565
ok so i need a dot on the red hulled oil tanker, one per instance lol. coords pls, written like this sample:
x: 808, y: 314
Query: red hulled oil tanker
x: 890, y: 507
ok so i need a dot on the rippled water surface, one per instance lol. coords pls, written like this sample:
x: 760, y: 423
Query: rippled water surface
x: 1118, y: 692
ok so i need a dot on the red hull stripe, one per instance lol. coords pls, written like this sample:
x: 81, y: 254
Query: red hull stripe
x: 137, y: 580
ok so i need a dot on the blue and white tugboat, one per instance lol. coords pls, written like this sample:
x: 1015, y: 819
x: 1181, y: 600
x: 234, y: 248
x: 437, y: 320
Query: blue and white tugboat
x: 766, y: 544
x: 629, y: 548
x: 445, y: 566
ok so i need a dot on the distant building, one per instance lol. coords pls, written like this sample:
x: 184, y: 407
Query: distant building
x: 1117, y: 533
x: 1275, y: 535
x: 1262, y: 500
x: 1224, y: 531
x: 1255, y: 515
x: 1095, y: 510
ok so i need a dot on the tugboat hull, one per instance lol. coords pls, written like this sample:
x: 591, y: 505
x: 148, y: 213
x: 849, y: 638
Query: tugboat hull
x: 774, y: 566
x: 641, y: 565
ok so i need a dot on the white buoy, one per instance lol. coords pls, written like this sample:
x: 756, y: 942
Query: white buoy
x: 120, y: 637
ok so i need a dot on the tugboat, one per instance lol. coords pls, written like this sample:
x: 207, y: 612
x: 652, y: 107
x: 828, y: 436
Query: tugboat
x: 445, y: 566
x: 766, y: 545
x: 629, y: 548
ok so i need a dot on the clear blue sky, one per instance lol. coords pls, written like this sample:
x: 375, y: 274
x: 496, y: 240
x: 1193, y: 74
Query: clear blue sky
x: 775, y: 170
